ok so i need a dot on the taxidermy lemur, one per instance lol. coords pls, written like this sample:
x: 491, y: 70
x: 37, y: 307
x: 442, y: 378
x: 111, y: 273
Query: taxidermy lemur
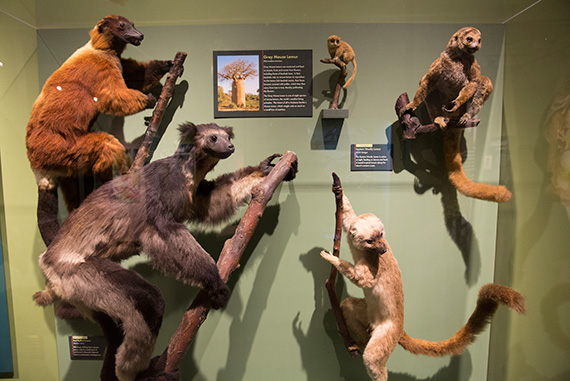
x: 341, y: 53
x: 377, y: 320
x: 454, y: 91
x: 145, y: 211
x: 94, y: 80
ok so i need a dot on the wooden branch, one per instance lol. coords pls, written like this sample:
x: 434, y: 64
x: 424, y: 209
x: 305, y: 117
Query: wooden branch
x: 339, y: 82
x: 331, y: 281
x: 228, y: 261
x: 411, y: 125
x: 143, y: 154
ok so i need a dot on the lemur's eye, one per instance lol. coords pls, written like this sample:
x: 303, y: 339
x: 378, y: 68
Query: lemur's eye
x: 122, y: 26
x: 479, y: 40
x: 369, y: 241
x: 470, y: 39
x: 213, y: 138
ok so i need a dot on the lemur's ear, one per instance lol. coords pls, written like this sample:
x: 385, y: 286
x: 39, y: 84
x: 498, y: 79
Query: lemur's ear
x: 230, y: 131
x: 101, y: 24
x: 187, y: 132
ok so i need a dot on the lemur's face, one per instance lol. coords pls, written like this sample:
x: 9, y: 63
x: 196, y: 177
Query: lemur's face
x: 367, y: 233
x: 468, y: 39
x: 334, y: 41
x: 219, y: 145
x: 123, y: 29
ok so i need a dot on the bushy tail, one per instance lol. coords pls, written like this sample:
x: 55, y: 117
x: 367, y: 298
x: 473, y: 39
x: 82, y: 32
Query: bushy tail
x: 457, y: 176
x: 351, y: 76
x: 490, y: 296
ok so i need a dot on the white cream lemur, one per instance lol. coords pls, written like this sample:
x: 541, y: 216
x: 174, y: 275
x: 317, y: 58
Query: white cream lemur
x: 454, y: 91
x: 95, y: 79
x: 377, y: 320
x: 145, y: 211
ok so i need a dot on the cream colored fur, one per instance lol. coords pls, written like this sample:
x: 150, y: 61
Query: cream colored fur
x: 377, y: 320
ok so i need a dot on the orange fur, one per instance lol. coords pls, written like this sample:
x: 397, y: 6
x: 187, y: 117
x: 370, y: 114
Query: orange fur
x: 90, y: 82
x: 377, y: 320
x: 457, y: 176
x: 93, y: 80
x: 341, y: 53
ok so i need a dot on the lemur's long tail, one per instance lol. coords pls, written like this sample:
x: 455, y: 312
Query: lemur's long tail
x: 352, y: 76
x: 490, y: 296
x: 457, y: 176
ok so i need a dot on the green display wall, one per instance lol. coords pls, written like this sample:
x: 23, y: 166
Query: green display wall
x: 278, y: 321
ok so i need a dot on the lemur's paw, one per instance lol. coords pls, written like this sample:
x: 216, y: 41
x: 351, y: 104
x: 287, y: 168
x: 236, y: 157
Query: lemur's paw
x: 266, y: 166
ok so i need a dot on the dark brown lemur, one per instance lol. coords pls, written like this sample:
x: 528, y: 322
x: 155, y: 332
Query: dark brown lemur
x: 145, y: 211
x: 377, y: 320
x: 454, y: 91
x: 93, y: 80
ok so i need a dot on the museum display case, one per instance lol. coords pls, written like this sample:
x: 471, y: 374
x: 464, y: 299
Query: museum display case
x: 278, y: 323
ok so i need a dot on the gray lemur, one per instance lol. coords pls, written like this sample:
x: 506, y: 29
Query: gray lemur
x: 145, y: 211
x: 377, y: 320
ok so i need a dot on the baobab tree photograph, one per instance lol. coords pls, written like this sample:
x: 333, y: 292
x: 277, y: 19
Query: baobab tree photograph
x: 238, y: 83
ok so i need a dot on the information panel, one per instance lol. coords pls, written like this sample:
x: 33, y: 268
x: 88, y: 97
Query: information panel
x: 87, y: 347
x: 264, y: 83
x: 370, y: 157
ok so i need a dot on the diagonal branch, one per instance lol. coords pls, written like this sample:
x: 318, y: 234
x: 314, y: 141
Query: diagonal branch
x: 143, y: 154
x: 228, y: 261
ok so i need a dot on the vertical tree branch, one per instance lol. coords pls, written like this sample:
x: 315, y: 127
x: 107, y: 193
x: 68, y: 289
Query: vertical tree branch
x: 228, y: 261
x: 143, y: 154
x: 339, y: 82
x: 331, y: 281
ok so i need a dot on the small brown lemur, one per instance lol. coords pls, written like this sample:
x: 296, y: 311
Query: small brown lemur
x: 454, y: 91
x: 341, y: 53
x: 377, y: 320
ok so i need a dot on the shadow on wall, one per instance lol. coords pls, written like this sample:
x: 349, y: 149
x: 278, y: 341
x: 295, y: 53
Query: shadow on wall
x: 459, y: 366
x: 327, y: 131
x: 318, y: 361
x: 243, y: 330
x: 423, y: 158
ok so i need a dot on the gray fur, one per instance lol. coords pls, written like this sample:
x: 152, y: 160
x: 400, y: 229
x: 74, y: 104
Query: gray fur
x: 145, y: 212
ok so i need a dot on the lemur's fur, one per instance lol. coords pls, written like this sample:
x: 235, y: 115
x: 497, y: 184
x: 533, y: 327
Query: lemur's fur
x: 377, y: 320
x: 454, y: 91
x: 341, y: 53
x: 145, y: 211
x: 93, y: 80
